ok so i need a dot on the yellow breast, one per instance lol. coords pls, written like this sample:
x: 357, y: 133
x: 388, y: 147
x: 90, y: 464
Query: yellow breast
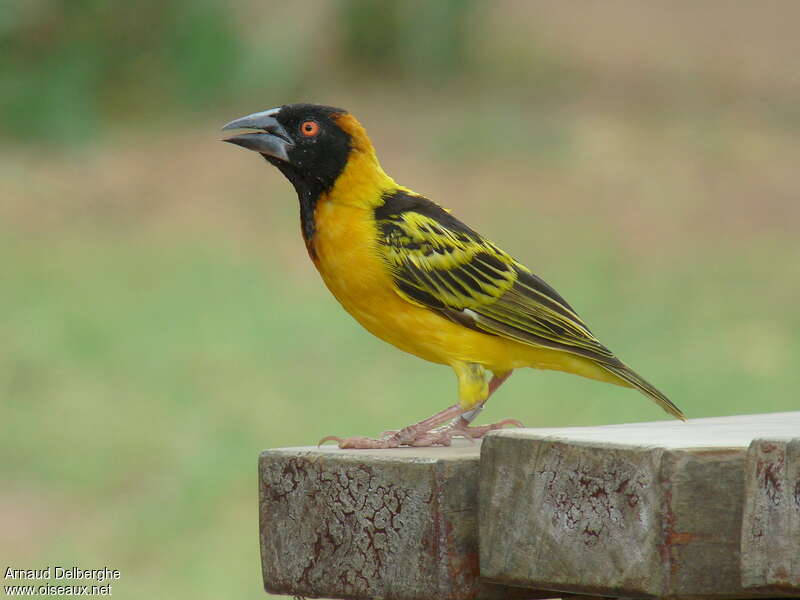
x: 346, y: 255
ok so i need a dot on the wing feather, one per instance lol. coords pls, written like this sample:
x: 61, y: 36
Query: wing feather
x: 439, y: 262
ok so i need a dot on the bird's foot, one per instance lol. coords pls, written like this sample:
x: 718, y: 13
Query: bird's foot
x: 461, y: 428
x: 418, y: 438
x: 363, y: 443
x: 418, y: 434
x: 392, y: 439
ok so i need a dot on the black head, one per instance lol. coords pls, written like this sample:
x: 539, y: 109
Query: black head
x: 309, y: 143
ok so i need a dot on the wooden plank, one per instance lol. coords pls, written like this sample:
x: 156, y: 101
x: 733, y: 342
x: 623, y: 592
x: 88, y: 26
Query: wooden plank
x: 398, y: 524
x: 637, y: 510
x: 771, y: 526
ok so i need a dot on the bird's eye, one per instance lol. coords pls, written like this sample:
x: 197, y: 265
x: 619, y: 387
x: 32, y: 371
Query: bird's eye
x: 309, y: 128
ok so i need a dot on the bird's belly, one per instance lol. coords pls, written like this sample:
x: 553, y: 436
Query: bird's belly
x: 413, y: 329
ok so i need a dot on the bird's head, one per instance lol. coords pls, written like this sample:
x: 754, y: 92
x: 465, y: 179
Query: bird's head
x: 310, y: 143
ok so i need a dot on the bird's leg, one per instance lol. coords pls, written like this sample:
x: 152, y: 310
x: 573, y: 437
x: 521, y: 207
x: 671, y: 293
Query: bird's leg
x: 461, y: 424
x: 418, y: 434
x: 473, y: 391
x: 497, y: 380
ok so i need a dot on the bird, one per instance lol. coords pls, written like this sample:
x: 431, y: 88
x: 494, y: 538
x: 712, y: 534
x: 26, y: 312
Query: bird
x: 420, y: 279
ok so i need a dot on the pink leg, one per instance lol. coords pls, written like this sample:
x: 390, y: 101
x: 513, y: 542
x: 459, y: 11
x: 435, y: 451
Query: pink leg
x: 416, y: 434
x: 429, y: 432
x: 477, y: 432
x: 496, y: 382
x: 460, y: 426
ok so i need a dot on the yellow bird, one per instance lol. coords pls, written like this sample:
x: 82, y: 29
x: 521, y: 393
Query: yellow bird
x: 417, y: 277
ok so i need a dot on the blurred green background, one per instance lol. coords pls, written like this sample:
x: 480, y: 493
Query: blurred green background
x: 161, y: 322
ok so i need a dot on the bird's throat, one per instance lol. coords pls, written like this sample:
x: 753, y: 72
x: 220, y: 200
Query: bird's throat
x: 308, y: 191
x: 308, y: 205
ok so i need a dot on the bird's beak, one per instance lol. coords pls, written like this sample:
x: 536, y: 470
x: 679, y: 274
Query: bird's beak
x: 272, y: 139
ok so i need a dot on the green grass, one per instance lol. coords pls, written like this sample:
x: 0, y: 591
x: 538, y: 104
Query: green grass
x: 161, y: 324
x: 140, y: 378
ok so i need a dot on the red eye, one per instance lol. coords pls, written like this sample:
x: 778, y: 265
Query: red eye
x: 309, y: 128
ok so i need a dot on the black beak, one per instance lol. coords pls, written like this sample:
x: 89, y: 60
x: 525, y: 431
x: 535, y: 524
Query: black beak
x: 272, y: 139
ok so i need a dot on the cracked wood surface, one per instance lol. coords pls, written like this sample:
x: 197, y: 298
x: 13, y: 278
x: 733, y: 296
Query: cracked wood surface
x: 771, y: 525
x: 667, y: 509
x: 395, y: 524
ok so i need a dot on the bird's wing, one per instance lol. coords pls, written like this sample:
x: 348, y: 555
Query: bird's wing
x: 439, y: 262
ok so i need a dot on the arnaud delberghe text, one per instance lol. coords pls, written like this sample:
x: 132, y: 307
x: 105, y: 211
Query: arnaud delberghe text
x: 53, y: 572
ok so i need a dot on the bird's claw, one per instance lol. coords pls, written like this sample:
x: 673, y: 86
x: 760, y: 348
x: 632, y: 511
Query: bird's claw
x: 329, y: 438
x: 362, y: 443
x: 462, y: 429
x: 442, y: 436
x: 477, y: 432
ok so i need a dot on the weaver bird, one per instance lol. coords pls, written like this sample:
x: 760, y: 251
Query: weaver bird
x: 417, y: 277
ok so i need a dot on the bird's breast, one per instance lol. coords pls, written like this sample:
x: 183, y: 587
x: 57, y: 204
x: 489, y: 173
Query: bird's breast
x: 346, y: 253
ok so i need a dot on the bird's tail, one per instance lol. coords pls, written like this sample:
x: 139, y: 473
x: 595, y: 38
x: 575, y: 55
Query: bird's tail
x: 628, y: 375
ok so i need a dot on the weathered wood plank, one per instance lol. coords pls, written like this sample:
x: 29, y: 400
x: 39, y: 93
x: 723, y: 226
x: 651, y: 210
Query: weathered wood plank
x: 771, y: 526
x: 638, y: 510
x: 395, y: 524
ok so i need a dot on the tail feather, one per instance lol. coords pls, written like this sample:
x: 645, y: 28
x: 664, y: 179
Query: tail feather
x: 627, y: 374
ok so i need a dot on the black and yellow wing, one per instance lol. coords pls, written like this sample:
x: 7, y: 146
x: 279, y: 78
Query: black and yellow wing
x: 439, y: 262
